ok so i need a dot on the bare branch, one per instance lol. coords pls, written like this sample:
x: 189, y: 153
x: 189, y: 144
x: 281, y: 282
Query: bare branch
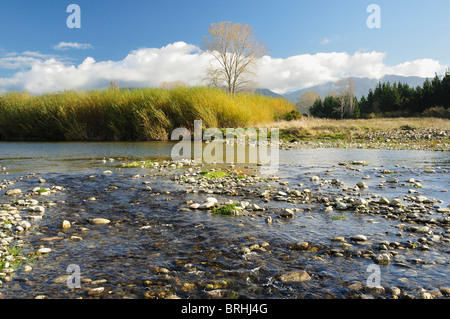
x: 236, y: 49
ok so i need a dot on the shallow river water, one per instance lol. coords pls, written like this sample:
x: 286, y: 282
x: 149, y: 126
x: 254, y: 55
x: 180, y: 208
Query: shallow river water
x: 155, y: 247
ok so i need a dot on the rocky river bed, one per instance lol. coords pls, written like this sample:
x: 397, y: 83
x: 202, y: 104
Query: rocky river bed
x: 159, y: 229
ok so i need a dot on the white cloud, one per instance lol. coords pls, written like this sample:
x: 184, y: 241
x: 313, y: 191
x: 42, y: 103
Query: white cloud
x: 148, y: 67
x: 309, y: 70
x: 325, y: 41
x: 72, y: 45
x: 22, y: 60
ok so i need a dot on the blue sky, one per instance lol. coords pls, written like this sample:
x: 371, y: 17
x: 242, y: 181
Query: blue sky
x: 413, y: 35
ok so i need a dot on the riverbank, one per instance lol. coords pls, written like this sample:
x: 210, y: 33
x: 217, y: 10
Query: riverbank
x: 386, y: 133
x: 167, y: 229
x: 130, y: 115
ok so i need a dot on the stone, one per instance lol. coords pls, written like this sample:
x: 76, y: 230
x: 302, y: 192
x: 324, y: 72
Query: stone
x: 420, y: 199
x: 360, y: 201
x: 383, y: 259
x: 424, y: 295
x: 24, y: 224
x: 445, y: 290
x: 314, y: 178
x: 210, y: 202
x: 44, y: 250
x: 357, y: 285
x: 99, y: 221
x: 358, y: 238
x: 287, y: 213
x: 13, y: 192
x: 36, y: 209
x: 392, y: 179
x: 341, y: 206
x: 95, y: 291
x: 395, y: 291
x: 65, y: 224
x: 162, y: 270
x: 75, y: 238
x: 295, y: 276
x: 362, y: 185
x: 300, y: 246
x: 383, y: 200
x: 395, y: 202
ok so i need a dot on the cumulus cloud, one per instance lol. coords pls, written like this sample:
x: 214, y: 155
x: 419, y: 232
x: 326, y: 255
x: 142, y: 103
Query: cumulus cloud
x: 13, y: 60
x: 180, y: 61
x: 300, y: 71
x: 72, y: 45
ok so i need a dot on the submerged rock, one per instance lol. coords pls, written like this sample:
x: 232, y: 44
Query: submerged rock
x: 99, y: 221
x: 16, y: 191
x: 295, y: 276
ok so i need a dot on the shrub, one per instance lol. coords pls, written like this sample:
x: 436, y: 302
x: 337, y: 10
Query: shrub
x: 437, y: 111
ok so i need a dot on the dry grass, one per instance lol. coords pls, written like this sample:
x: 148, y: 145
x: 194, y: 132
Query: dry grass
x: 144, y: 114
x: 317, y: 125
x: 350, y: 129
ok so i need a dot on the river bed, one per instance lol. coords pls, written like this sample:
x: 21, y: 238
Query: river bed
x: 156, y: 246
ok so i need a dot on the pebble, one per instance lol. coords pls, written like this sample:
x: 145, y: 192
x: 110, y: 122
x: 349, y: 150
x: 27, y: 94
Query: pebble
x: 360, y: 201
x: 382, y: 259
x: 395, y: 202
x: 362, y: 185
x: 95, y: 291
x: 36, y: 209
x: 358, y: 238
x: 287, y: 213
x: 65, y: 224
x: 99, y: 221
x: 16, y: 191
x: 295, y: 276
x: 44, y: 250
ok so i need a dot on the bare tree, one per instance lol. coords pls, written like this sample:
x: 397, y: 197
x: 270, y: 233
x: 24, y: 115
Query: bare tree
x: 346, y: 91
x: 236, y: 49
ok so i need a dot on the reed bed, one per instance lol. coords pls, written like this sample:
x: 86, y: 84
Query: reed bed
x: 139, y: 114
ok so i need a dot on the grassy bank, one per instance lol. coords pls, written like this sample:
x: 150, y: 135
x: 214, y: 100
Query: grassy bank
x: 142, y: 114
x: 382, y: 133
x: 351, y: 129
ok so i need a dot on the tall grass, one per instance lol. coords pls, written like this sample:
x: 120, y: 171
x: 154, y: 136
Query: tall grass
x: 141, y: 114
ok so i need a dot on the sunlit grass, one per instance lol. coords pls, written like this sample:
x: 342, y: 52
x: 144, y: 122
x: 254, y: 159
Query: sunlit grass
x: 141, y: 114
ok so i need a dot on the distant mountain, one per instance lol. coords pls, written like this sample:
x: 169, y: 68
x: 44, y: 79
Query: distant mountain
x: 362, y: 86
x: 267, y: 92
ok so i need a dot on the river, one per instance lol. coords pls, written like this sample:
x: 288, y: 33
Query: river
x: 156, y: 247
